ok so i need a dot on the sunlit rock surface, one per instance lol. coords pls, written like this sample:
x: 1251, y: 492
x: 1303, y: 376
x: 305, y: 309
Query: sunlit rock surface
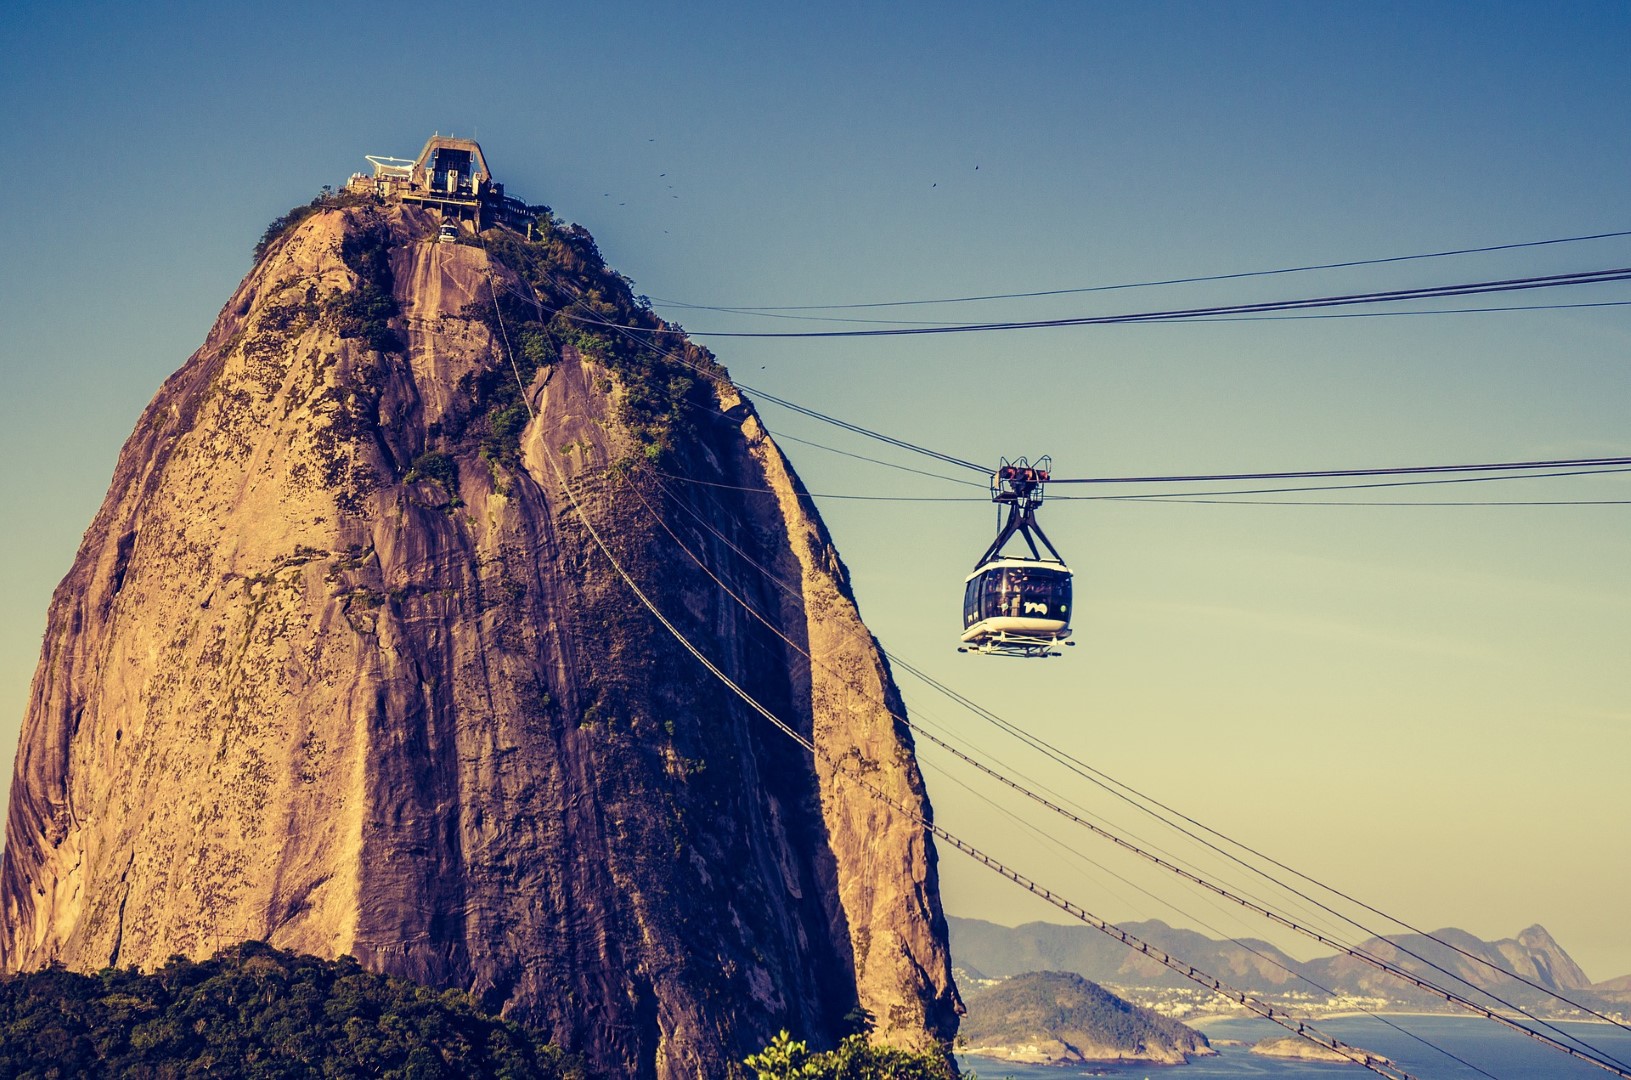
x: 295, y: 689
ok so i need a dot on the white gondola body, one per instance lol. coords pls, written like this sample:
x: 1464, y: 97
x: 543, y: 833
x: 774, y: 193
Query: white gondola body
x: 1017, y: 606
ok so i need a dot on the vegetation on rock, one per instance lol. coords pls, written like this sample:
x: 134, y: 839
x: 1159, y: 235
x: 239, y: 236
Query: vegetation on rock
x: 574, y: 299
x: 366, y: 311
x: 327, y: 199
x: 257, y: 1011
x: 855, y: 1059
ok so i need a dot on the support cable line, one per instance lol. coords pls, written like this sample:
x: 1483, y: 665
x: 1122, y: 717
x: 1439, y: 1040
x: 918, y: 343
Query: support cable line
x: 1131, y: 795
x: 643, y: 340
x: 1191, y: 497
x: 1209, y: 497
x: 1394, y: 470
x: 1180, y: 496
x: 1589, y: 1054
x: 917, y: 727
x: 1484, y: 309
x: 1358, y: 954
x: 1488, y: 309
x: 1202, y: 497
x: 745, y: 309
x: 782, y: 436
x: 1476, y: 288
x: 1252, y: 1004
x: 722, y: 486
x: 1431, y: 988
x: 867, y: 432
x: 1375, y: 502
x: 1605, y: 463
x: 1078, y: 857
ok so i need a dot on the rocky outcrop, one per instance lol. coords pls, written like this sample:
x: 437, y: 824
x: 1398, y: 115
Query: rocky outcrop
x: 1537, y: 956
x: 1060, y: 1018
x: 1296, y: 1048
x: 340, y: 667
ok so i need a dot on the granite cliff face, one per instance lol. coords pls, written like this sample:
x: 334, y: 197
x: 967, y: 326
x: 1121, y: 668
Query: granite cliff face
x: 339, y: 667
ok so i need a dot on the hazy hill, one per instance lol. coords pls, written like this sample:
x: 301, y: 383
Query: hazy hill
x: 1533, y: 954
x: 996, y: 950
x: 1058, y: 1018
x: 1615, y: 990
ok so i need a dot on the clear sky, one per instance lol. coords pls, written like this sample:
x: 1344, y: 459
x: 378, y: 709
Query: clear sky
x: 1429, y: 706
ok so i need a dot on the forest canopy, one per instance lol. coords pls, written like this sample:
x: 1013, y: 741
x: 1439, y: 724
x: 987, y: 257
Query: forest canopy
x: 256, y: 1011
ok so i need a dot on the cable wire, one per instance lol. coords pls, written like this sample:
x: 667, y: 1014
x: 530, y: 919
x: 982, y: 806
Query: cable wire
x: 1150, y: 284
x: 1357, y: 953
x: 1420, y: 983
x: 1252, y: 1004
x: 645, y: 342
x: 1389, y: 470
x: 1479, y: 288
x: 1591, y: 1054
x: 1131, y: 795
x: 1209, y: 497
x: 917, y: 728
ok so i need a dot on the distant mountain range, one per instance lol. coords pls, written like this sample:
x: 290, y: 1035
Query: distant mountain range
x: 985, y: 950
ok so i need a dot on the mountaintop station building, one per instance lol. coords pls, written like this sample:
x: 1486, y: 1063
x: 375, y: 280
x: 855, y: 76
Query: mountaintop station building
x: 450, y: 176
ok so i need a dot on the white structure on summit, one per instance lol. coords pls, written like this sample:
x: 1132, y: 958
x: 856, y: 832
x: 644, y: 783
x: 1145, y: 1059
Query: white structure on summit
x: 449, y: 176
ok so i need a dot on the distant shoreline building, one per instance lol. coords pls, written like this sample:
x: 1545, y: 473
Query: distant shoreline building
x: 449, y: 176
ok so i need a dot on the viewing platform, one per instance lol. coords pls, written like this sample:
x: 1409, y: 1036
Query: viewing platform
x: 450, y: 176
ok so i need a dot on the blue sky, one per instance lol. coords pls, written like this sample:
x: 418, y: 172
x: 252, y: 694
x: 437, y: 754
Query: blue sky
x: 1429, y: 706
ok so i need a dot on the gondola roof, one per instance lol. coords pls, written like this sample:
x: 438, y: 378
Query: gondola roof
x: 1053, y: 565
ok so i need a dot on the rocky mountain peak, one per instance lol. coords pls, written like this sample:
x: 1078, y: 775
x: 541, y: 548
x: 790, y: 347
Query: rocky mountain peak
x: 339, y: 667
x: 1535, y: 948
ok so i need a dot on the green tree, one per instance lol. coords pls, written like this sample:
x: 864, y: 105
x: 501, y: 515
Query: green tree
x: 257, y: 1011
x: 786, y: 1058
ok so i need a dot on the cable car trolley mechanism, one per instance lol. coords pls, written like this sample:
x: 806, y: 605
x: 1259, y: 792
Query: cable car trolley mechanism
x: 1012, y: 605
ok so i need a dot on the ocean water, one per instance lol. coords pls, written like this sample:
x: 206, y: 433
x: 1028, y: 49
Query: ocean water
x: 1481, y: 1044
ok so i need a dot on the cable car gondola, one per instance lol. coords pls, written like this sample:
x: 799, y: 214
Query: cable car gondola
x: 1014, y: 606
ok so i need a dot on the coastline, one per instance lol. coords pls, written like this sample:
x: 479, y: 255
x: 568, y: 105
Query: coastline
x: 1415, y: 1049
x: 1201, y: 1023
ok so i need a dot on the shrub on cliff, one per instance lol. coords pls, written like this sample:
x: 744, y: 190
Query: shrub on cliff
x: 257, y: 1011
x: 574, y: 299
x: 855, y: 1059
x: 327, y: 199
